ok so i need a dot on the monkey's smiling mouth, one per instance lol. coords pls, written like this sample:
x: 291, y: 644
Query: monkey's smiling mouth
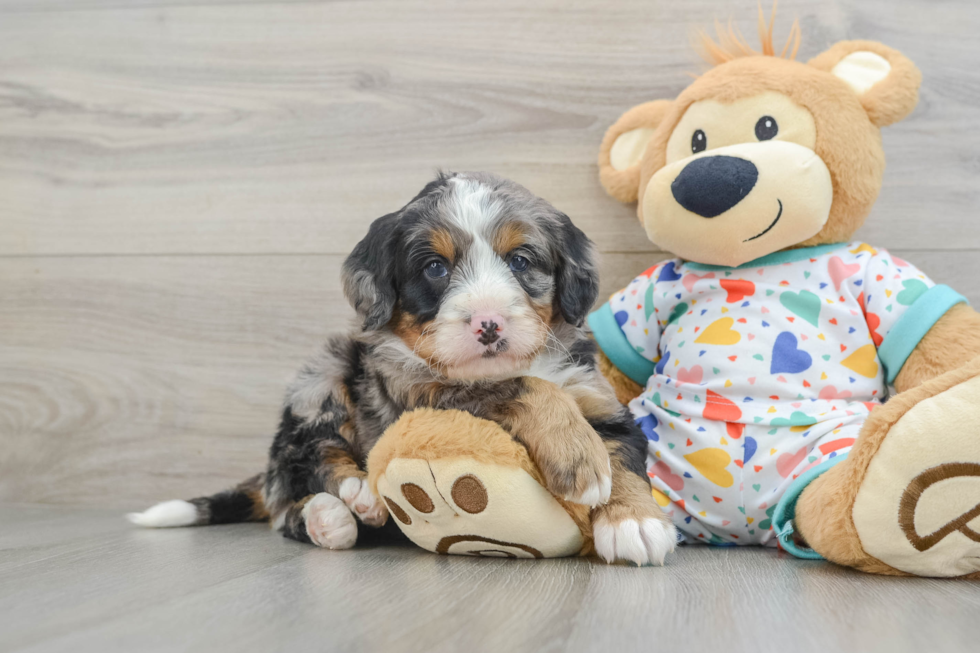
x: 778, y: 215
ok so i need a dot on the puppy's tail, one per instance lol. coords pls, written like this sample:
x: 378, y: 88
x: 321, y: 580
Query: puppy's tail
x: 240, y: 504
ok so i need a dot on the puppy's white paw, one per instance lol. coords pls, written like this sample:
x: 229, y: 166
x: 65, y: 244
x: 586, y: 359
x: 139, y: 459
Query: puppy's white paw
x: 644, y: 542
x: 356, y: 493
x: 595, y: 493
x: 329, y: 522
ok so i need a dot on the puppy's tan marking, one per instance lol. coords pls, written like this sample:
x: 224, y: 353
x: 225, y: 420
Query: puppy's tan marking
x: 630, y: 498
x: 441, y: 242
x: 545, y: 311
x: 508, y: 237
x: 592, y: 401
x: 253, y: 490
x: 336, y: 466
x: 565, y: 447
x: 415, y: 335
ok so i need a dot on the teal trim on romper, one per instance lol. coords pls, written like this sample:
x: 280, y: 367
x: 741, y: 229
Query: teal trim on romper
x: 782, y: 518
x: 776, y: 258
x: 912, y: 327
x: 613, y: 343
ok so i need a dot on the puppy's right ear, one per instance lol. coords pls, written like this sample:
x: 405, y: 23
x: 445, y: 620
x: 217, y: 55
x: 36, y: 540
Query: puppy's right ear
x: 623, y: 147
x: 369, y: 274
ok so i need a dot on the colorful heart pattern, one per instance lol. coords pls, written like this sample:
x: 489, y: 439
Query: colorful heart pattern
x: 720, y: 332
x: 804, y: 303
x: 786, y: 357
x: 761, y: 373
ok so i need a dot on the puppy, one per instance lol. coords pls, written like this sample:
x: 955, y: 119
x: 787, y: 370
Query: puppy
x: 472, y: 297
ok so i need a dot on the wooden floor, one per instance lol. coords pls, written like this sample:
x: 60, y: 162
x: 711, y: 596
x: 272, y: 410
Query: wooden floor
x: 179, y: 183
x: 81, y: 580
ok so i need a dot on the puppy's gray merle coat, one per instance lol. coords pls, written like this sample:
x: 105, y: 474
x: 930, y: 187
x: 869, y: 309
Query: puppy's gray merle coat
x: 472, y: 297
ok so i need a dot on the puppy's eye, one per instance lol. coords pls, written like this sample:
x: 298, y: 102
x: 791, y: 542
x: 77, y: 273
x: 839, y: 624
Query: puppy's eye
x: 435, y: 270
x: 699, y: 142
x: 519, y: 264
x: 766, y: 129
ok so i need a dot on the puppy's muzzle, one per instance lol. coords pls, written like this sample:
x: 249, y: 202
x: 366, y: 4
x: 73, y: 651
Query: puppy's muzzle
x: 712, y: 185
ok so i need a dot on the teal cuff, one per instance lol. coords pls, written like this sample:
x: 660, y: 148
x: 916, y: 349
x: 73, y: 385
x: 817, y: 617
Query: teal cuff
x: 912, y: 327
x: 613, y: 343
x: 782, y: 518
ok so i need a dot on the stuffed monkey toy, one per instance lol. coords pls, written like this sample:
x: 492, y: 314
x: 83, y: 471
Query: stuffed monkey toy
x: 758, y: 361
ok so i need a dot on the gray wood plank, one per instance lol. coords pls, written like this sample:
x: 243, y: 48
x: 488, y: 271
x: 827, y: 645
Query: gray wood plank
x: 128, y: 380
x: 176, y: 127
x: 108, y: 587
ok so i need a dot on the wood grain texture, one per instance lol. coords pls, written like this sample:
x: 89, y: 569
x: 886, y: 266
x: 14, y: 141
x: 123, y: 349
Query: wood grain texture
x: 284, y: 127
x: 179, y: 182
x: 82, y: 580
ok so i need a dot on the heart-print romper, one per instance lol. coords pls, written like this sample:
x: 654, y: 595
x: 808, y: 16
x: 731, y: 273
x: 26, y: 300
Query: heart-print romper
x: 755, y: 374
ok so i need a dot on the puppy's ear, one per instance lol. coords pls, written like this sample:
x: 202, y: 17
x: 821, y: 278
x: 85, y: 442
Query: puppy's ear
x: 623, y: 146
x: 577, y: 276
x: 369, y: 274
x: 885, y: 80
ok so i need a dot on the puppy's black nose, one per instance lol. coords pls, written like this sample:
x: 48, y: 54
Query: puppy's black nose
x: 488, y: 333
x: 711, y: 185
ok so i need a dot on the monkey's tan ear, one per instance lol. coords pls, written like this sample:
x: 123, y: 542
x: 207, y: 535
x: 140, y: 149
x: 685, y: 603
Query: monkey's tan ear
x: 623, y: 147
x: 885, y: 80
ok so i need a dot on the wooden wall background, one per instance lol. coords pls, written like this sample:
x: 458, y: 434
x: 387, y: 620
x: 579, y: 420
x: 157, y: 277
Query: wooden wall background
x: 180, y: 181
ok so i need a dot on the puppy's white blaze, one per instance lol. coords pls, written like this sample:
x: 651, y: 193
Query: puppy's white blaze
x: 168, y: 514
x: 472, y: 207
x: 484, y: 282
x: 329, y: 522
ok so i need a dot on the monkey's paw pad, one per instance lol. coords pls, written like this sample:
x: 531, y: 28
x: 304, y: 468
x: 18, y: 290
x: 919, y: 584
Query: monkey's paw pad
x: 465, y: 507
x: 918, y: 507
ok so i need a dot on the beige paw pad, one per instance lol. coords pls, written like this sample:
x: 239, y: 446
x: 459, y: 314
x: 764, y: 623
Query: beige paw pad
x: 918, y: 508
x: 461, y: 506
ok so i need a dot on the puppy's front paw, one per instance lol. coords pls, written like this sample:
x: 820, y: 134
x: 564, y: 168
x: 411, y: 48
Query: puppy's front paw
x: 576, y: 466
x: 355, y: 492
x: 632, y: 527
x: 329, y: 522
x: 644, y: 542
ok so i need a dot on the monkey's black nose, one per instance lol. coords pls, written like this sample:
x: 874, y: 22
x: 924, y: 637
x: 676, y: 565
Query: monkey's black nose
x: 711, y: 185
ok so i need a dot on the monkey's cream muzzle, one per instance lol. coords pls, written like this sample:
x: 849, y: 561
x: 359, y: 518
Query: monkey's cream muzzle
x: 730, y: 205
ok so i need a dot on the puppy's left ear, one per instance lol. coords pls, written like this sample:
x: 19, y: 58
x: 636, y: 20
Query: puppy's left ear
x: 369, y: 275
x: 885, y: 80
x: 577, y: 273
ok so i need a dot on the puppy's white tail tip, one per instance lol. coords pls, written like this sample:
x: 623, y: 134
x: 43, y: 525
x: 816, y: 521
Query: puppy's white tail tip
x: 168, y: 514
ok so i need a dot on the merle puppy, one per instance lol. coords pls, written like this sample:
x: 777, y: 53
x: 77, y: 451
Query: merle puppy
x: 473, y: 297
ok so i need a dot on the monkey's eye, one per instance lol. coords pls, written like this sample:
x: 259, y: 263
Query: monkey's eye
x: 435, y: 270
x: 519, y: 263
x: 766, y: 129
x: 699, y: 142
